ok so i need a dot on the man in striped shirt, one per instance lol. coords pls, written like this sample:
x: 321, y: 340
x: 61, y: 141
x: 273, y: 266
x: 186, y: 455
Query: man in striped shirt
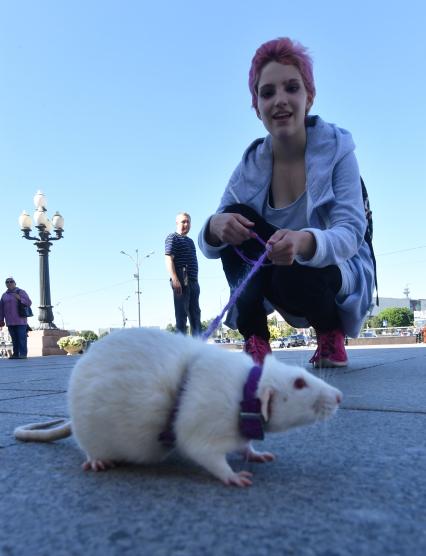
x: 182, y: 264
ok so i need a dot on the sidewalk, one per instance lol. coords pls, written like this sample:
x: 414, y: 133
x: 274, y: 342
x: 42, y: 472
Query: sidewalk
x: 353, y: 486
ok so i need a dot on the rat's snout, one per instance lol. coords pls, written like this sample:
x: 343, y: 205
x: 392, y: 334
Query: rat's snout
x: 339, y: 397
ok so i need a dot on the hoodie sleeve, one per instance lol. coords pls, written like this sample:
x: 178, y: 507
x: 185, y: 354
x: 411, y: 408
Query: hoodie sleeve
x: 344, y: 217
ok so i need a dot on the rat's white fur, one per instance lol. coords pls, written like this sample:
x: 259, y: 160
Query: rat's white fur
x: 122, y: 390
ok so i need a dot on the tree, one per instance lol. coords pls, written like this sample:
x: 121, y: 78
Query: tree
x: 279, y: 329
x: 394, y: 316
x: 89, y: 335
x: 205, y: 324
x: 233, y: 334
x: 274, y: 331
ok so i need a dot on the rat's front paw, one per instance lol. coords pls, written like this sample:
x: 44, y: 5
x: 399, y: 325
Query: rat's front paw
x: 241, y: 479
x: 258, y: 457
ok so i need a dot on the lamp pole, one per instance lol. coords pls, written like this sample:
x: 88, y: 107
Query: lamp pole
x: 121, y: 309
x: 137, y: 276
x: 43, y: 243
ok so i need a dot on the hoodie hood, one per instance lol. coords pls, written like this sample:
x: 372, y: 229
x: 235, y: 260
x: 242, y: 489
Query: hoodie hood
x: 326, y: 145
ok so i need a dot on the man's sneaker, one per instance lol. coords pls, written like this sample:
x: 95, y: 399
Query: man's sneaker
x: 330, y: 351
x: 258, y: 348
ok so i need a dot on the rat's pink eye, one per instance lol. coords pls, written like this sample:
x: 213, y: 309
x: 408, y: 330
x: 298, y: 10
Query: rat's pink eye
x: 300, y: 383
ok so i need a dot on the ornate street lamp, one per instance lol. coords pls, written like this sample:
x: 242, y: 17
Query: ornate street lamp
x: 43, y: 243
x: 137, y: 276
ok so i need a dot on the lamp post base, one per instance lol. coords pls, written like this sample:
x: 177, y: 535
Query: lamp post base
x: 47, y: 326
x: 44, y: 342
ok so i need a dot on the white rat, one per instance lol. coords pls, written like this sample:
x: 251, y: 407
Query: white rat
x: 123, y: 390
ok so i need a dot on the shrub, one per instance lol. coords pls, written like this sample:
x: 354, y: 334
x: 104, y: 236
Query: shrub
x: 77, y: 341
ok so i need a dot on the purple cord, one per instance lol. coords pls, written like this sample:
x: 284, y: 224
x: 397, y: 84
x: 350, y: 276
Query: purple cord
x: 232, y: 300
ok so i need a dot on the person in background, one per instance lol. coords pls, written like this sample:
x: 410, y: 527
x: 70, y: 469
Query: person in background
x: 182, y: 265
x: 298, y: 189
x: 16, y: 324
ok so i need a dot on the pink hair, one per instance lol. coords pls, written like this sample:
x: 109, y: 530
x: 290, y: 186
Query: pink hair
x: 286, y: 52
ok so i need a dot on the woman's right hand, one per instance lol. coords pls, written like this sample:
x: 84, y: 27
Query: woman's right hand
x: 229, y: 227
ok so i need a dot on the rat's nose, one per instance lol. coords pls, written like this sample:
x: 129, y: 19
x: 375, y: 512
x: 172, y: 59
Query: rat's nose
x: 339, y: 398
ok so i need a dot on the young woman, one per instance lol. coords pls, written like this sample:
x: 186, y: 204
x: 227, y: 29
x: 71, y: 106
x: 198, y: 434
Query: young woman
x: 299, y: 190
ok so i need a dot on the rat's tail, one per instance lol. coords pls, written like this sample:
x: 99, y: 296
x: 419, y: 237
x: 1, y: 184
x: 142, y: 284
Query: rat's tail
x: 41, y: 432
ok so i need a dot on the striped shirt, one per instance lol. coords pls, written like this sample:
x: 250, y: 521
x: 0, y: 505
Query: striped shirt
x: 182, y: 249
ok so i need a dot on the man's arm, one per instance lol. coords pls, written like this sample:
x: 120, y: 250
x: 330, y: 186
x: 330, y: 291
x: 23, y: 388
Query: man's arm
x: 170, y: 265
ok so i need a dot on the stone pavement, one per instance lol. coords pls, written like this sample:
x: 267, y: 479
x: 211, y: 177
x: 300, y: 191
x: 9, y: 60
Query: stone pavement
x: 353, y: 486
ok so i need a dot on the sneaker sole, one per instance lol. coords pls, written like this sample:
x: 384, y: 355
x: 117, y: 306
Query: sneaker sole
x: 330, y: 364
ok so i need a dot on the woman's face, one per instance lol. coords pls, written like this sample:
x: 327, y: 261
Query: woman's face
x: 282, y: 100
x: 10, y: 284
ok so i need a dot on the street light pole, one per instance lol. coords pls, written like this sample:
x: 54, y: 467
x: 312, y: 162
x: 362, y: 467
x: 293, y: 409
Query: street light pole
x: 137, y: 276
x: 121, y: 309
x: 43, y: 243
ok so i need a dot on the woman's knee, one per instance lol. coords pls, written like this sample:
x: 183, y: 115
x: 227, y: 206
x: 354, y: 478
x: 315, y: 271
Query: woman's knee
x: 306, y: 284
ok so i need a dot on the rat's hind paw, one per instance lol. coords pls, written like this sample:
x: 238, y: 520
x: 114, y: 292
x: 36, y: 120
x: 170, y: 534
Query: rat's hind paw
x: 97, y: 465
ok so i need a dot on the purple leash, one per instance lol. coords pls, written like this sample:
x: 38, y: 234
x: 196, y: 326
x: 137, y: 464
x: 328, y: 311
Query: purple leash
x: 232, y: 300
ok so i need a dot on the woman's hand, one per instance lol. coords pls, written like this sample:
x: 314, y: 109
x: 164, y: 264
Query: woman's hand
x: 285, y: 245
x: 229, y: 228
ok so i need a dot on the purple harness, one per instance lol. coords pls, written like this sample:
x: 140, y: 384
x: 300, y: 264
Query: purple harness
x: 251, y: 421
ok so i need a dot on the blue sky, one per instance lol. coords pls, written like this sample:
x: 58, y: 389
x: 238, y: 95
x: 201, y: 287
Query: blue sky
x: 126, y: 112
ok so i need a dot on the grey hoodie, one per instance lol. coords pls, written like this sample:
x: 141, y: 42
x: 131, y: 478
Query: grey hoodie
x: 335, y: 212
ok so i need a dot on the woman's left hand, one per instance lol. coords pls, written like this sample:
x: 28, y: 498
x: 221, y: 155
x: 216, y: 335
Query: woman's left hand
x: 18, y: 297
x: 285, y: 245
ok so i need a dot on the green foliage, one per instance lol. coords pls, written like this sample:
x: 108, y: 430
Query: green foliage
x: 171, y: 328
x: 205, y: 324
x: 89, y: 335
x: 395, y: 316
x: 71, y: 341
x: 279, y: 330
x: 371, y: 322
x: 232, y: 334
x: 103, y: 335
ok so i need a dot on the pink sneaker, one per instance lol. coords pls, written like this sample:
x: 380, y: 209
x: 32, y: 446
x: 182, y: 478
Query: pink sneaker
x: 330, y: 351
x: 258, y: 348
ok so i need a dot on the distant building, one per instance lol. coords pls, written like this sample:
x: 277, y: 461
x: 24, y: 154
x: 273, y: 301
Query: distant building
x: 418, y: 306
x: 388, y: 302
x: 103, y: 331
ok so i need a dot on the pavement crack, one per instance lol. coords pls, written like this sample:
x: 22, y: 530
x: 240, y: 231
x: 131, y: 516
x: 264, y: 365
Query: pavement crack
x: 379, y: 410
x: 36, y: 413
x: 37, y: 395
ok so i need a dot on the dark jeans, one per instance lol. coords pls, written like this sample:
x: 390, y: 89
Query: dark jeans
x: 187, y: 306
x: 18, y: 333
x: 299, y: 290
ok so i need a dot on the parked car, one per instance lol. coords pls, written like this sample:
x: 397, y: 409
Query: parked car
x: 296, y: 340
x: 368, y: 335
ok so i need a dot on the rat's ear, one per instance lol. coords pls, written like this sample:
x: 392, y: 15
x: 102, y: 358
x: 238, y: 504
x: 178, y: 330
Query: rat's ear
x: 265, y: 402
